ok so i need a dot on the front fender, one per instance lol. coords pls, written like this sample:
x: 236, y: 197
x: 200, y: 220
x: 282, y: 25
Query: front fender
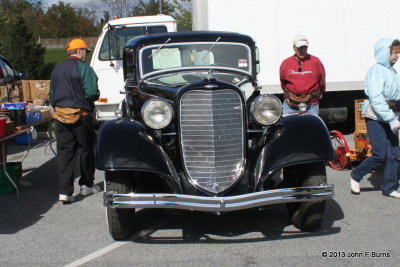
x: 127, y: 145
x: 299, y: 139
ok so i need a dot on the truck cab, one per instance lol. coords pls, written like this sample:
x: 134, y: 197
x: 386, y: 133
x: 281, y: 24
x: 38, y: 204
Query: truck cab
x: 107, y: 56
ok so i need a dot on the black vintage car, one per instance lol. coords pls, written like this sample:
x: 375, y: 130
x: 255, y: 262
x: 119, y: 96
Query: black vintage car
x: 196, y: 134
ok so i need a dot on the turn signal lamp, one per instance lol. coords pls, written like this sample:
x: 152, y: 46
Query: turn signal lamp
x: 102, y: 100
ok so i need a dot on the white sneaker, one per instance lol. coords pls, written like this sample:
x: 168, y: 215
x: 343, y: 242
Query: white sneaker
x: 66, y: 199
x: 355, y: 186
x: 86, y: 190
x: 395, y: 194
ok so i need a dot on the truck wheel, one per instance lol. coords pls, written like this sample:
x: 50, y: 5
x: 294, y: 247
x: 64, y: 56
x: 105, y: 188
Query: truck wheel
x: 308, y: 216
x: 120, y: 221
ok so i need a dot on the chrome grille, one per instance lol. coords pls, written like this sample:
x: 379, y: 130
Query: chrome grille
x: 211, y: 131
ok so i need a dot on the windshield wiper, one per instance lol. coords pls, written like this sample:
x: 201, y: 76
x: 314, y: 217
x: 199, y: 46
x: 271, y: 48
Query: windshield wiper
x: 158, y: 49
x: 211, y: 48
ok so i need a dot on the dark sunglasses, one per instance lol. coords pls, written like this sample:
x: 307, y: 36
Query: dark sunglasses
x: 300, y: 69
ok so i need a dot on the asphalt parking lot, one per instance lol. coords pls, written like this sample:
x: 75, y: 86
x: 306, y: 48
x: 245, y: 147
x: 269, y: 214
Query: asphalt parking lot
x: 37, y: 230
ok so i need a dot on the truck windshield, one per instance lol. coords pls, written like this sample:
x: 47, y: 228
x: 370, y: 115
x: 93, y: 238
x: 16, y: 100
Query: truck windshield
x: 195, y: 55
x: 120, y: 36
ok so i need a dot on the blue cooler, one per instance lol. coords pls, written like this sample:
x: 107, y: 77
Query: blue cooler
x: 33, y: 116
x: 24, y: 139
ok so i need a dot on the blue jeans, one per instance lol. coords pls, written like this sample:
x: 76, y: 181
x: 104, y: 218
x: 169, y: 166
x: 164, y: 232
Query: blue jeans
x: 313, y: 109
x: 385, y: 149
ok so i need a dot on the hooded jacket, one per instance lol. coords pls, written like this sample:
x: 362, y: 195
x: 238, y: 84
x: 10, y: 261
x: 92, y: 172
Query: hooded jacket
x: 381, y: 83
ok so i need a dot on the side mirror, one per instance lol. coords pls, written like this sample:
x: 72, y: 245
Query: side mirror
x: 129, y: 64
x: 24, y: 74
x: 9, y: 79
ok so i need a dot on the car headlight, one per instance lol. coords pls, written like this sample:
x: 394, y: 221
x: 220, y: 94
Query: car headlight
x: 157, y: 113
x: 266, y: 109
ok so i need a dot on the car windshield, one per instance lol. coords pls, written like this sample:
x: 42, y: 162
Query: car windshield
x: 156, y: 58
x: 120, y: 36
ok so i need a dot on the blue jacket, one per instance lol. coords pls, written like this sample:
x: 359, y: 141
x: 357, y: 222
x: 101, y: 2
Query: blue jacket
x: 381, y: 83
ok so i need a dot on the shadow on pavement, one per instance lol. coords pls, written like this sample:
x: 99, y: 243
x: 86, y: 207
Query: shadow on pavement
x: 38, y: 193
x: 232, y: 227
x: 49, y: 146
x: 376, y: 180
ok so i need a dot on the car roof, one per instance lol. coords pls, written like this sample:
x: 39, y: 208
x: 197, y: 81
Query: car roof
x: 193, y: 36
x: 5, y: 60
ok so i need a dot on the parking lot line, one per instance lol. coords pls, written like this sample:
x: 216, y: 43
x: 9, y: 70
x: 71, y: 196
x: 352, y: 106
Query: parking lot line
x: 96, y: 254
x: 139, y: 235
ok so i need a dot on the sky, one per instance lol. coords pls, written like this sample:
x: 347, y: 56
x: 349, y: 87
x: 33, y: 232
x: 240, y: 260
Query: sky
x: 84, y: 3
x: 80, y: 3
x: 72, y: 2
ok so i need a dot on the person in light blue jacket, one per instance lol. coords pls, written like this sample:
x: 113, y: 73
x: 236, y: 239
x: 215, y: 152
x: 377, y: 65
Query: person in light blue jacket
x: 382, y: 86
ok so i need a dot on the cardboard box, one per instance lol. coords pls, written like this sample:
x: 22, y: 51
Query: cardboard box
x: 40, y: 89
x: 3, y: 94
x: 10, y: 93
x: 36, y: 91
x: 359, y: 119
x: 15, y: 94
x: 26, y: 91
x: 39, y: 102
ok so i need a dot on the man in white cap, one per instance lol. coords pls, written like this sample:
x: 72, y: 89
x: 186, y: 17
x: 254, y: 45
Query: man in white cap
x: 302, y: 79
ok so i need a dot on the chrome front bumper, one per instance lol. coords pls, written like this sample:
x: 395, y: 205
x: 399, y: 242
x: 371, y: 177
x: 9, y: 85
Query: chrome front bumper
x: 217, y: 204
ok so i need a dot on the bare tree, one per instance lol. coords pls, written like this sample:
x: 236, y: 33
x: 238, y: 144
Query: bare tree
x: 120, y: 8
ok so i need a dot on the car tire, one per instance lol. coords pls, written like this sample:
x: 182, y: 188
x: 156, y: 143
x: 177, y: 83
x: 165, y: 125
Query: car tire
x: 291, y: 176
x: 120, y: 221
x: 308, y: 215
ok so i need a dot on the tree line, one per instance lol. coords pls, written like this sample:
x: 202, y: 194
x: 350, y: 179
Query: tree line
x: 23, y: 22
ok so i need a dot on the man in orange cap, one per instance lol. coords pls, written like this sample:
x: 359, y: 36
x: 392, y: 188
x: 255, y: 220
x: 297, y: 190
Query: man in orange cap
x: 73, y: 90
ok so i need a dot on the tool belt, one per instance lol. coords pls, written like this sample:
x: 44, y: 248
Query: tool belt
x: 394, y: 105
x: 69, y: 115
x: 294, y: 99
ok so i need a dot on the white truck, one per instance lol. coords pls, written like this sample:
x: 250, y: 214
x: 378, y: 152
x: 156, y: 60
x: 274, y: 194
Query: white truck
x: 107, y: 56
x: 342, y: 34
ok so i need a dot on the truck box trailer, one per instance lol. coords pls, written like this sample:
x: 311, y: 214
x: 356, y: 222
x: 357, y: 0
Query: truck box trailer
x: 342, y: 35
